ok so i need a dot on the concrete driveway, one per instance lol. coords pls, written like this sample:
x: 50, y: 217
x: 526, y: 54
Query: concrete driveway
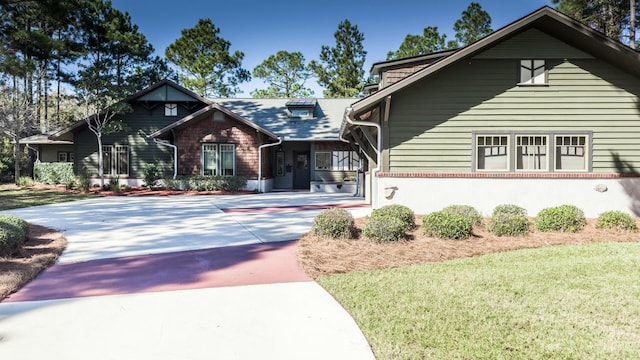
x: 180, y: 277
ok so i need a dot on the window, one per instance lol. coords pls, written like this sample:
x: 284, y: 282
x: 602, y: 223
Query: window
x: 571, y: 153
x: 62, y: 157
x: 170, y: 109
x: 340, y: 160
x: 531, y: 152
x: 532, y: 72
x: 279, y: 163
x: 300, y: 113
x: 218, y: 159
x: 115, y: 160
x: 492, y: 152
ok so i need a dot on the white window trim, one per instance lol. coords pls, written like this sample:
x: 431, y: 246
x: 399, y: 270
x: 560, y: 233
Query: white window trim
x: 170, y: 109
x: 114, y: 161
x: 475, y: 152
x: 532, y: 80
x: 349, y: 163
x: 587, y: 152
x: 548, y: 146
x: 218, y: 158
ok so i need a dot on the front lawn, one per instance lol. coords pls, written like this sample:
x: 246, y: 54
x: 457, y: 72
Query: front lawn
x: 559, y: 302
x: 13, y: 197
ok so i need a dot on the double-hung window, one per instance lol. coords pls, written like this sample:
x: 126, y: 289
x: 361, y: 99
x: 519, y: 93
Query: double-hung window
x: 115, y: 160
x: 539, y: 152
x: 218, y: 159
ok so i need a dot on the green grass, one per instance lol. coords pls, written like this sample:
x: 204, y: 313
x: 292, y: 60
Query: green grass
x: 565, y: 302
x: 13, y: 198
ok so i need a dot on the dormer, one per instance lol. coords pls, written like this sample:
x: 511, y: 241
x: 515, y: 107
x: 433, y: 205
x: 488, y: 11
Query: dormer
x: 301, y: 108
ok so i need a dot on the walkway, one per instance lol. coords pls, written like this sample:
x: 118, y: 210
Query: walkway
x: 180, y: 277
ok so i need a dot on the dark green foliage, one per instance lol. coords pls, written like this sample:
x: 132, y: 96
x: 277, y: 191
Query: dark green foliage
x: 564, y: 218
x: 286, y: 73
x: 151, y: 174
x: 334, y: 223
x: 429, y: 42
x: 385, y: 229
x: 508, y: 224
x: 340, y: 69
x: 207, y: 183
x: 13, y: 233
x: 465, y: 210
x: 54, y: 173
x: 616, y: 220
x: 474, y: 24
x: 509, y: 209
x: 610, y: 17
x: 397, y: 211
x: 447, y: 225
x: 206, y: 66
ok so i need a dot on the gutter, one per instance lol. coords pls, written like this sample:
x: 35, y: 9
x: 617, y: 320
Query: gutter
x: 36, y: 151
x: 348, y: 113
x: 263, y: 146
x: 175, y: 154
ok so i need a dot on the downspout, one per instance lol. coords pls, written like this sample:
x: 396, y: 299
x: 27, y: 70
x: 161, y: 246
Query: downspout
x: 263, y: 146
x: 36, y: 151
x: 175, y: 154
x: 348, y: 112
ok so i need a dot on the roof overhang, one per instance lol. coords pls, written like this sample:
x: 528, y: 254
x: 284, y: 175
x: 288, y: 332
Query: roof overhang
x: 200, y: 114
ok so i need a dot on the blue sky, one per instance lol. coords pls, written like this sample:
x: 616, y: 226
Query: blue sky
x: 262, y: 28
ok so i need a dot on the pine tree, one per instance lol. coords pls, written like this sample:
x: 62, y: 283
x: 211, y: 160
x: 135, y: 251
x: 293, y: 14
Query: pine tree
x: 204, y: 62
x: 340, y: 69
x: 474, y: 24
x: 429, y: 42
x: 286, y: 73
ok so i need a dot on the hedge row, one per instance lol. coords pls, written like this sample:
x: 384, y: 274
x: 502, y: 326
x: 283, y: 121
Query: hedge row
x: 53, y: 173
x: 206, y: 183
x: 391, y: 222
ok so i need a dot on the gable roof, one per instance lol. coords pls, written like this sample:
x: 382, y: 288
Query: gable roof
x: 545, y: 19
x: 377, y: 68
x: 272, y: 114
x: 207, y: 110
x: 67, y: 132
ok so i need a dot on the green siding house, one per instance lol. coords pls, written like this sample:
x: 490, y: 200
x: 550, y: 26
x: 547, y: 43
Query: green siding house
x: 542, y: 112
x: 279, y: 144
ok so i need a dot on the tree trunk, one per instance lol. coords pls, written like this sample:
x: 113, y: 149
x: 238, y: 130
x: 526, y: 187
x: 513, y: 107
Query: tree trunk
x: 16, y: 155
x: 632, y: 25
x: 100, y: 160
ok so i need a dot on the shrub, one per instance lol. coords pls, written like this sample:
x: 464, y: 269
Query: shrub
x: 334, y: 223
x: 385, y: 229
x: 53, y: 173
x: 465, y: 210
x: 25, y: 181
x: 114, y: 185
x: 82, y: 182
x: 13, y: 233
x: 447, y: 225
x: 616, y: 220
x: 508, y: 224
x: 399, y: 212
x: 564, y: 218
x: 151, y: 174
x: 509, y: 209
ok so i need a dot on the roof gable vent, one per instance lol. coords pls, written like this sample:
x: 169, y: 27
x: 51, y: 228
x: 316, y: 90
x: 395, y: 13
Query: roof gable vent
x: 301, y: 108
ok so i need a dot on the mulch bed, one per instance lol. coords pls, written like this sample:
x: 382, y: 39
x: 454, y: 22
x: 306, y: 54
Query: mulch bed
x: 318, y: 256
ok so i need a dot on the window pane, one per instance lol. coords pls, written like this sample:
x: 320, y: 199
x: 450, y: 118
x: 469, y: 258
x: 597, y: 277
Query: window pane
x: 106, y: 159
x: 571, y: 153
x: 170, y: 109
x: 210, y: 159
x: 227, y: 154
x: 323, y: 160
x: 62, y: 157
x: 122, y: 160
x: 492, y: 153
x: 531, y: 153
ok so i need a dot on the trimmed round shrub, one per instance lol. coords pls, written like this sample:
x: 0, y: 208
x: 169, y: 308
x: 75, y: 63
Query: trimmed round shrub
x: 465, y: 210
x: 13, y: 233
x: 616, y: 220
x: 384, y: 229
x: 397, y: 211
x: 334, y: 223
x: 563, y: 218
x: 447, y: 225
x: 508, y: 224
x: 509, y: 209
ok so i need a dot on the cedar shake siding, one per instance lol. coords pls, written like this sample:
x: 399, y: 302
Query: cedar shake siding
x: 189, y: 140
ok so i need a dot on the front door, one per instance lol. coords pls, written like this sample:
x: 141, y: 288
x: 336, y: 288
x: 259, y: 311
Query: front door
x: 301, y: 170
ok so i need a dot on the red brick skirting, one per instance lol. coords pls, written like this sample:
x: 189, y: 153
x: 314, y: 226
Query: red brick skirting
x: 422, y: 175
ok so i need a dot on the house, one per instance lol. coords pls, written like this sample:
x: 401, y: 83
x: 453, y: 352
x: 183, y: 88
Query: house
x: 273, y: 143
x: 542, y: 112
